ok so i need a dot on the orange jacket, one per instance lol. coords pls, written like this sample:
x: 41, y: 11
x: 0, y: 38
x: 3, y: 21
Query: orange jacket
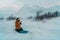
x: 17, y: 24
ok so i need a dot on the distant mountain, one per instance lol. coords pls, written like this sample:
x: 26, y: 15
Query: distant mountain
x: 52, y: 9
x: 28, y: 10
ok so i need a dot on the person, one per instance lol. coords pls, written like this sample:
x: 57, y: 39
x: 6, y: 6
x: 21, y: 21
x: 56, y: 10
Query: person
x: 18, y: 27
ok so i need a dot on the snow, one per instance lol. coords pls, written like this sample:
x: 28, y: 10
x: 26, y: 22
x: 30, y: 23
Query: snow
x: 50, y: 30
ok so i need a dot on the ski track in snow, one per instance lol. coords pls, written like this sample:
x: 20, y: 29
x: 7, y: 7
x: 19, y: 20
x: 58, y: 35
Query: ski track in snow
x: 50, y: 30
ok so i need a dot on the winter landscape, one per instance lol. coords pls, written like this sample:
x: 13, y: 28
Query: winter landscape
x: 40, y: 17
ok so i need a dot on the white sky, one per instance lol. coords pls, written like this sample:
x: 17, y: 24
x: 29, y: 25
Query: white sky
x: 10, y: 4
x: 43, y: 3
x: 18, y: 4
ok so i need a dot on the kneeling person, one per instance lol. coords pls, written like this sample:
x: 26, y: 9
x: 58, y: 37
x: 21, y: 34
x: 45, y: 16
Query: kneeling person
x: 18, y: 27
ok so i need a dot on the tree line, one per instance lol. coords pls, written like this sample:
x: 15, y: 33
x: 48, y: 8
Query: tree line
x: 46, y: 15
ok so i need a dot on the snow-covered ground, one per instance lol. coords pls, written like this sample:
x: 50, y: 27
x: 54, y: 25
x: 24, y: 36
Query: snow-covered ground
x: 38, y: 30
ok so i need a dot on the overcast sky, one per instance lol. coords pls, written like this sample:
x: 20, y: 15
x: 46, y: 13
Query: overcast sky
x: 16, y: 4
x: 43, y: 3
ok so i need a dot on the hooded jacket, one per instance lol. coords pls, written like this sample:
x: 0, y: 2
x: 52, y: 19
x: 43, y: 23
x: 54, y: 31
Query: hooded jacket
x: 17, y: 24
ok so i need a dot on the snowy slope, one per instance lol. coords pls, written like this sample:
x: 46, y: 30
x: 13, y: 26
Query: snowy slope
x: 38, y: 30
x: 50, y: 30
x: 7, y: 32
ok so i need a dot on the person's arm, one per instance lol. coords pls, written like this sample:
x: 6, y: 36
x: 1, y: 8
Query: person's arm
x: 20, y: 23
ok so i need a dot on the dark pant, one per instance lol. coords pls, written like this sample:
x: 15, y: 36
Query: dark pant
x: 18, y: 30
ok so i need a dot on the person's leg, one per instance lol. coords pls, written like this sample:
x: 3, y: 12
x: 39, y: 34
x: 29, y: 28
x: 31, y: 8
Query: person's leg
x: 21, y: 29
x: 18, y: 30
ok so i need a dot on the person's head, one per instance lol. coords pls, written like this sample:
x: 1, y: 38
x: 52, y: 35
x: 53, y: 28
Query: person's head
x: 17, y: 18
